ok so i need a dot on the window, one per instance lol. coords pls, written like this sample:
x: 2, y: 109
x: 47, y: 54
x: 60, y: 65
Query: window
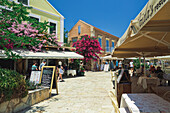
x: 84, y: 36
x: 100, y: 40
x: 34, y: 18
x: 113, y: 44
x: 74, y: 39
x: 79, y: 29
x: 23, y: 1
x: 53, y: 28
x: 107, y: 45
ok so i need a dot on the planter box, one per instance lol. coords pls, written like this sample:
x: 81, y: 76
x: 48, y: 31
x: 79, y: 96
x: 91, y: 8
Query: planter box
x: 19, y: 104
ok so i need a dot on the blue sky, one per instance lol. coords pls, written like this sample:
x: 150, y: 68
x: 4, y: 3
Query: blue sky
x: 112, y: 16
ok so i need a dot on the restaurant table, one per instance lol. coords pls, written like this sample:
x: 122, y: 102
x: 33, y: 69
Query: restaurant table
x: 151, y: 81
x: 72, y: 72
x: 145, y: 103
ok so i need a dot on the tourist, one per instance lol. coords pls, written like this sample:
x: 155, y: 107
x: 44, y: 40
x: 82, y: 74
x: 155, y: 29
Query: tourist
x: 117, y: 63
x: 42, y: 64
x: 159, y: 74
x: 120, y: 64
x: 34, y: 67
x: 60, y: 71
x: 131, y: 65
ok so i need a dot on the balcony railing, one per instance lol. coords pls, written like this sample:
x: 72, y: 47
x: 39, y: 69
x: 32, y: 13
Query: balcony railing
x: 109, y: 49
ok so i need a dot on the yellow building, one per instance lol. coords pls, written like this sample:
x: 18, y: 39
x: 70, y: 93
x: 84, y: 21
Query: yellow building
x: 42, y: 10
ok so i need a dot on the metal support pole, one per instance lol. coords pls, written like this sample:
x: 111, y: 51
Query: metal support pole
x: 15, y: 65
x: 140, y: 64
x: 47, y: 62
x: 115, y: 83
x: 26, y: 65
x: 144, y: 66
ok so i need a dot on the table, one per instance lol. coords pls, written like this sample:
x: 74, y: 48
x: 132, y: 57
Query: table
x: 72, y: 72
x: 145, y: 102
x: 145, y: 81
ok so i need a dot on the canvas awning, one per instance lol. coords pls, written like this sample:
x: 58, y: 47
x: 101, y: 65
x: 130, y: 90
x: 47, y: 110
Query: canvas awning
x: 110, y: 58
x: 45, y: 55
x: 162, y: 57
x: 148, y: 34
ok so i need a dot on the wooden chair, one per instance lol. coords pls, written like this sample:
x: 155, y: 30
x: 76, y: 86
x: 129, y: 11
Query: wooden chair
x: 166, y: 96
x: 115, y: 104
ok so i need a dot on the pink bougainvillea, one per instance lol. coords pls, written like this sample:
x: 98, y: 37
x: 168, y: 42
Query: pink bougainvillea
x: 26, y: 31
x: 89, y: 47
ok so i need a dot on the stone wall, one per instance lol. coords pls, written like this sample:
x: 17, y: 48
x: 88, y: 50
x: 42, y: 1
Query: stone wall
x: 19, y: 104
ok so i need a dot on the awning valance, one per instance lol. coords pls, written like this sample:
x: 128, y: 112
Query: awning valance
x: 45, y: 55
x: 110, y: 58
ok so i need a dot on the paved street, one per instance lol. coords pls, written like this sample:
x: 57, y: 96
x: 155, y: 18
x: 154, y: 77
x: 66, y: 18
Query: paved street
x: 87, y: 94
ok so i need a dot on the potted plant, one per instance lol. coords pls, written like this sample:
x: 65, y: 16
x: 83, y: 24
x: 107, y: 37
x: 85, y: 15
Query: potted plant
x: 82, y: 71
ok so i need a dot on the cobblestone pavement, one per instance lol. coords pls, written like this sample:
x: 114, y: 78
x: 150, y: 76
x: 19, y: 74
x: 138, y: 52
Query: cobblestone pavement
x: 87, y: 94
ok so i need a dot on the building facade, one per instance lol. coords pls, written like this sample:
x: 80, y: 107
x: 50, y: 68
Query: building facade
x: 107, y: 41
x: 42, y: 11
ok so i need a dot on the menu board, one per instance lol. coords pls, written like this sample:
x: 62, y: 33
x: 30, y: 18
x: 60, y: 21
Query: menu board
x: 35, y: 77
x: 48, y: 76
x: 106, y: 67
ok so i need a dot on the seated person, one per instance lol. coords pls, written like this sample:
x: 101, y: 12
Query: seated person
x: 152, y: 69
x: 159, y: 72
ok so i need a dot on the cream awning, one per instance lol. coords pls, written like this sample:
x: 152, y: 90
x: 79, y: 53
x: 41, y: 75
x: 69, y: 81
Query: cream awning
x: 110, y: 58
x: 162, y: 57
x: 148, y: 34
x: 45, y: 55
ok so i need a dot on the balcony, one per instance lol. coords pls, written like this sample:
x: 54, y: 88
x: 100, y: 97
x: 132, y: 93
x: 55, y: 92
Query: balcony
x: 108, y: 49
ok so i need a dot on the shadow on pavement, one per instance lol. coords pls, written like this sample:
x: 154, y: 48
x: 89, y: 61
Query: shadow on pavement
x: 67, y: 77
x: 34, y: 109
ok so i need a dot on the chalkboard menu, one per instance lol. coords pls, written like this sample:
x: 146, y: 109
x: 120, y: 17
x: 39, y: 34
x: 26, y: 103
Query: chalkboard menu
x: 48, y: 76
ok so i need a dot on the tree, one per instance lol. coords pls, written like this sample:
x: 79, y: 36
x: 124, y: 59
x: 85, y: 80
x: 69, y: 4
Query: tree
x: 65, y: 35
x: 17, y: 30
x: 89, y: 47
x: 66, y: 43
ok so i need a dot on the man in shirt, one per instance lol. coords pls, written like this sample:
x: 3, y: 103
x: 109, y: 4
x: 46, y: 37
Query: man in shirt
x: 34, y: 67
x: 42, y: 64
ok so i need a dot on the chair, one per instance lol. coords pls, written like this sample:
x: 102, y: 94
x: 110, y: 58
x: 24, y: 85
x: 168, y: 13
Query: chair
x: 112, y: 75
x: 115, y: 104
x: 166, y: 96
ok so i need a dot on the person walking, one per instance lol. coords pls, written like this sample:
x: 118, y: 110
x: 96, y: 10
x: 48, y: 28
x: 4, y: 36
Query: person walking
x: 34, y: 67
x: 117, y: 63
x: 120, y: 64
x: 131, y: 65
x: 60, y: 71
x: 42, y: 64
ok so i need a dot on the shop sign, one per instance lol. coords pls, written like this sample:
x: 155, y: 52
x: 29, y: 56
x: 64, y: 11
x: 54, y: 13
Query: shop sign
x: 149, y: 11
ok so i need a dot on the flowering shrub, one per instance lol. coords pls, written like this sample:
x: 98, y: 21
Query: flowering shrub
x: 82, y: 69
x: 12, y: 85
x: 17, y: 30
x: 89, y: 47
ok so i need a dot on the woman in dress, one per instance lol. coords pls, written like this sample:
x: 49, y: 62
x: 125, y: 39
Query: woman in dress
x: 60, y: 71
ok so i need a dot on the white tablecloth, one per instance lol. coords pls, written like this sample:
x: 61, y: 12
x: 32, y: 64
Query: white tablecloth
x: 166, y: 76
x: 147, y: 102
x: 72, y: 72
x: 144, y: 81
